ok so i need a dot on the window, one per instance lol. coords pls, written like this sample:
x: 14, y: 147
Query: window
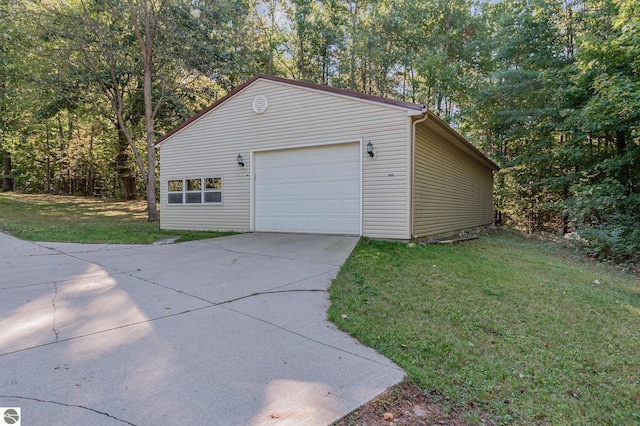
x: 195, y: 191
x: 213, y: 190
x: 175, y: 191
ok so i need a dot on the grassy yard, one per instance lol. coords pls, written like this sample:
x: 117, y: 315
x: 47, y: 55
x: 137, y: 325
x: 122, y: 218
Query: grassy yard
x: 503, y: 328
x: 82, y: 220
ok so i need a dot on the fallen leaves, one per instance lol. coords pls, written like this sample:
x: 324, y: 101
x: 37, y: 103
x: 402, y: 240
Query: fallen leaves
x: 408, y: 405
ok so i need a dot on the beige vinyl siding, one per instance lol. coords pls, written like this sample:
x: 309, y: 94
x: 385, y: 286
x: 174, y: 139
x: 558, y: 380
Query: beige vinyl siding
x: 295, y: 117
x: 453, y: 191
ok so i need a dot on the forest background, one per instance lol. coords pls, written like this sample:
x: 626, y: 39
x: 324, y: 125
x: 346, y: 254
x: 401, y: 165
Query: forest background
x: 548, y: 89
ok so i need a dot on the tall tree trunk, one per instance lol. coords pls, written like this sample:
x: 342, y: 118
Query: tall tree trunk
x: 146, y: 36
x: 7, y: 179
x: 89, y: 189
x: 151, y: 149
x: 624, y: 174
x: 123, y: 171
x: 352, y: 48
x: 301, y: 67
x: 113, y: 89
x: 621, y: 143
x: 48, y: 177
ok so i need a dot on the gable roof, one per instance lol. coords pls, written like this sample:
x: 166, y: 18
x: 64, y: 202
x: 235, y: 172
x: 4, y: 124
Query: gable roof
x: 413, y: 109
x: 417, y: 108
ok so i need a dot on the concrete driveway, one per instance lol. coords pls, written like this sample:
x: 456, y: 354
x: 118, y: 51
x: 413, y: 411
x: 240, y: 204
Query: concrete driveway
x: 228, y: 331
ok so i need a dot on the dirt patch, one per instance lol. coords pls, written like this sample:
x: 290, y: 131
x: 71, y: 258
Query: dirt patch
x: 402, y: 404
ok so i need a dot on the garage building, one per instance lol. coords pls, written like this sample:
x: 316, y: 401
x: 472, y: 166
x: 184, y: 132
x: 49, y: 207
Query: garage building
x: 279, y: 155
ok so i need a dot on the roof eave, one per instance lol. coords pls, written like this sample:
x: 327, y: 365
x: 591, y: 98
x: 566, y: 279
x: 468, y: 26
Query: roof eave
x: 205, y: 111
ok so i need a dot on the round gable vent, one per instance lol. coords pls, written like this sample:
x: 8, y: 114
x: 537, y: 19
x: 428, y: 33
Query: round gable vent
x: 260, y: 104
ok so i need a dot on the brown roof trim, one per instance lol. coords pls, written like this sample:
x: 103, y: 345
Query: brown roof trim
x: 206, y: 110
x: 343, y: 92
x: 313, y: 86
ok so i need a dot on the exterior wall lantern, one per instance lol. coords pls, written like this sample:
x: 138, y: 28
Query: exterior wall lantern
x: 370, y: 149
x: 240, y: 161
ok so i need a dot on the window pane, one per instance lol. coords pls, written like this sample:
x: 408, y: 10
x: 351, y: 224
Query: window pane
x: 194, y: 184
x: 213, y: 197
x: 175, y: 198
x: 194, y: 197
x: 213, y: 183
x: 175, y: 185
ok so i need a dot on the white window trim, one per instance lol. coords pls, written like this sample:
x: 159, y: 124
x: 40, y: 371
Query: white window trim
x: 202, y: 191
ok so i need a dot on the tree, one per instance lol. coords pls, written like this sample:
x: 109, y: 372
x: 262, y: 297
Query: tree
x: 516, y: 109
x: 145, y: 18
x: 7, y: 63
x: 548, y: 88
x: 605, y: 201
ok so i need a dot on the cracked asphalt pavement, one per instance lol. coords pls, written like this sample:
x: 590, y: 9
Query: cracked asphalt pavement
x: 228, y: 331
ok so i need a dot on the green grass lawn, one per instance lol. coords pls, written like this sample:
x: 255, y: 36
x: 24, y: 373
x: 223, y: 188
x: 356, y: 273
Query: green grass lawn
x: 501, y: 328
x: 83, y: 220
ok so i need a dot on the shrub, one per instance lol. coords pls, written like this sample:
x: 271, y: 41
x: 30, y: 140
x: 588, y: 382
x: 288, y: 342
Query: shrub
x: 607, y: 218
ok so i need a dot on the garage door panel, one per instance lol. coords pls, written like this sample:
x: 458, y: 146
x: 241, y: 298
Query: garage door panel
x: 297, y: 172
x: 349, y: 187
x: 298, y: 189
x: 352, y: 206
x: 333, y: 170
x: 332, y: 189
x: 313, y: 208
x: 314, y: 189
x: 313, y: 173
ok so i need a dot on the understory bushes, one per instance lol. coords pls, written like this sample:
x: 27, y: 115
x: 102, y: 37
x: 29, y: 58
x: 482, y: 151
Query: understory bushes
x: 606, y: 221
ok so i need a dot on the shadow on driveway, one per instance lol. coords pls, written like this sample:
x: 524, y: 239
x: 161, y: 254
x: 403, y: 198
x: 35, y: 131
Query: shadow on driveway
x: 228, y: 331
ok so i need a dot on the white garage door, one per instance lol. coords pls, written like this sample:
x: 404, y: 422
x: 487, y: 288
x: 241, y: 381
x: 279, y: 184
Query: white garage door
x: 311, y: 190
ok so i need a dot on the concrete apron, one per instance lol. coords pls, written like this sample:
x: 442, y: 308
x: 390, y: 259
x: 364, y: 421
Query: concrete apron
x: 227, y: 331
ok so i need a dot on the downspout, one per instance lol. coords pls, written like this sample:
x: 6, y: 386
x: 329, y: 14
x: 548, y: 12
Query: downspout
x: 413, y: 170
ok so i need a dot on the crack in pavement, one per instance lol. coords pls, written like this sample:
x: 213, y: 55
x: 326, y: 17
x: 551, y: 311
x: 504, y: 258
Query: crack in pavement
x: 264, y: 293
x: 267, y: 291
x: 314, y: 340
x: 99, y: 248
x: 105, y: 330
x: 219, y: 304
x: 211, y: 305
x: 130, y: 274
x: 53, y: 302
x: 67, y: 405
x: 267, y: 255
x: 274, y: 290
x: 134, y: 275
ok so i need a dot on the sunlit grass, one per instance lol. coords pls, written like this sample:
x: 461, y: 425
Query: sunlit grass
x: 502, y: 328
x: 83, y: 220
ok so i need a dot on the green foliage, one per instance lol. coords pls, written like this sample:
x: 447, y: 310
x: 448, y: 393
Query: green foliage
x: 558, y: 110
x: 549, y: 89
x: 607, y: 220
x: 503, y: 329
